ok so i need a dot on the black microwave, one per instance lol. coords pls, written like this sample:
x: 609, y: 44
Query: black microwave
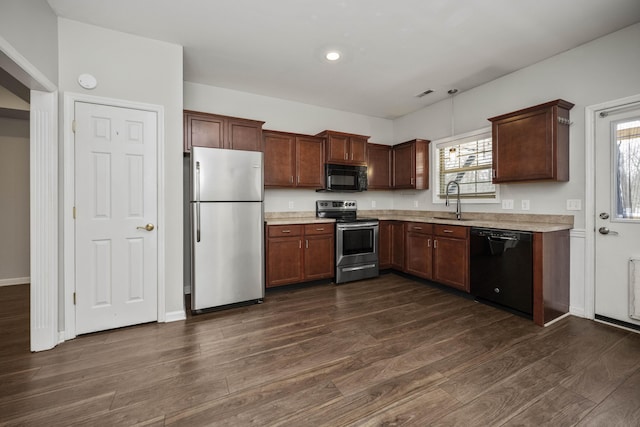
x: 346, y: 178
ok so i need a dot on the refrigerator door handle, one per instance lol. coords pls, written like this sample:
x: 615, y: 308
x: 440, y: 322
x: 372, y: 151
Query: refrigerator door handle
x: 197, y: 201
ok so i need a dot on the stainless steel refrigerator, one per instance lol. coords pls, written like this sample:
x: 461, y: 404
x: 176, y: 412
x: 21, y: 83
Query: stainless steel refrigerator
x: 227, y: 258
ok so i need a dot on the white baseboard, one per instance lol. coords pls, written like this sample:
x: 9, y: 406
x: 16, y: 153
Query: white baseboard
x: 175, y: 316
x: 15, y: 281
x: 576, y: 311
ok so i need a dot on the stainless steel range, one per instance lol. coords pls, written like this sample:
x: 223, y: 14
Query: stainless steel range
x: 356, y: 240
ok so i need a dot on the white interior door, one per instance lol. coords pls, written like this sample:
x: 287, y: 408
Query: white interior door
x: 617, y: 221
x: 116, y: 212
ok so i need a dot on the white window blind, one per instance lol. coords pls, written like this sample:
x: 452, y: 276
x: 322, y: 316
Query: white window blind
x: 467, y: 161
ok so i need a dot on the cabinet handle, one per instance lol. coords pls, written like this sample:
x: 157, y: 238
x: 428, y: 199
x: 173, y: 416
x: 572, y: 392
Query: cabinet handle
x: 411, y: 181
x: 298, y: 179
x: 291, y: 179
x: 346, y: 156
x: 299, y: 244
x: 319, y: 229
x: 435, y: 244
x: 428, y: 243
x: 286, y: 231
x: 306, y: 244
x: 447, y: 231
x: 417, y: 228
x: 352, y: 155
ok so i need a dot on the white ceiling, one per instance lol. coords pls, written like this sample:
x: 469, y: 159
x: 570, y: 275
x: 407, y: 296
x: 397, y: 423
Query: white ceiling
x: 393, y: 50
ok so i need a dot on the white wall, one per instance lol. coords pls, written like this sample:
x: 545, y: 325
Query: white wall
x: 30, y: 27
x: 602, y: 70
x: 14, y: 201
x: 289, y: 116
x: 137, y: 69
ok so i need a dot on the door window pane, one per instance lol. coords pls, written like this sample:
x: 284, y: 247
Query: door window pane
x: 627, y: 167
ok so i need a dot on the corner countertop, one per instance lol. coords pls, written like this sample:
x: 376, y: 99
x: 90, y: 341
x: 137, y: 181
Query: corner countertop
x: 516, y: 222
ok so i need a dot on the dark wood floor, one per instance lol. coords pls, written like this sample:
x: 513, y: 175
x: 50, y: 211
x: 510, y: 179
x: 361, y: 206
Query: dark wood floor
x: 388, y: 351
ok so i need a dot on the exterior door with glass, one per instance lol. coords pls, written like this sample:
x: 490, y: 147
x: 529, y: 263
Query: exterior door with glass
x: 617, y: 215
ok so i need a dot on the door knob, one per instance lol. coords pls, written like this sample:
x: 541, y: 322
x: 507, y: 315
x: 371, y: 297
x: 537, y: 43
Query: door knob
x: 147, y: 227
x: 605, y: 230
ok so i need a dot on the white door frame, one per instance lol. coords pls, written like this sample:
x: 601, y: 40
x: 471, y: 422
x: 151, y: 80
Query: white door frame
x: 69, y: 199
x: 43, y: 197
x: 591, y: 112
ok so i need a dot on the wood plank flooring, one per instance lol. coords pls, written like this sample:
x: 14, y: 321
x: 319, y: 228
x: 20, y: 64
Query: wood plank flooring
x: 384, y: 352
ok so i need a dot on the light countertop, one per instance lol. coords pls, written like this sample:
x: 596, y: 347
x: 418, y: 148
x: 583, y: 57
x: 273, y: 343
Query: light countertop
x: 516, y: 222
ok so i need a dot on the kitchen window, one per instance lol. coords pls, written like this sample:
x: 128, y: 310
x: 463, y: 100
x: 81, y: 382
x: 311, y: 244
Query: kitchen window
x: 467, y: 160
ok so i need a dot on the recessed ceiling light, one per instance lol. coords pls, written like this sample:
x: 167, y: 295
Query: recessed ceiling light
x: 332, y: 55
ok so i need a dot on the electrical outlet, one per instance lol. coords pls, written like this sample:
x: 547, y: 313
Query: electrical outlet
x: 290, y: 204
x: 415, y: 203
x: 574, y: 204
x: 507, y: 204
x: 373, y: 203
x: 526, y: 205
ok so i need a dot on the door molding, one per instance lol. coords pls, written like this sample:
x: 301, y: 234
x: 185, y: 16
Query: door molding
x: 591, y: 112
x: 69, y: 199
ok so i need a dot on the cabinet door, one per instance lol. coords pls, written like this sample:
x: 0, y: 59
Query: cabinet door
x: 279, y: 159
x: 419, y: 254
x: 357, y: 150
x: 397, y: 245
x: 244, y: 135
x: 284, y: 261
x: 379, y: 166
x: 404, y: 166
x: 337, y: 148
x: 203, y: 131
x: 319, y: 257
x: 384, y: 245
x: 451, y: 262
x: 309, y: 162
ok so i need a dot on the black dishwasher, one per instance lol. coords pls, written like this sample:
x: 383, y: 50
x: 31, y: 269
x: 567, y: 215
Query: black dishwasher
x: 502, y: 268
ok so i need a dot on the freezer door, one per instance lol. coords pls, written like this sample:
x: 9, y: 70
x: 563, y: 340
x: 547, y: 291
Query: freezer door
x: 228, y: 261
x: 226, y: 175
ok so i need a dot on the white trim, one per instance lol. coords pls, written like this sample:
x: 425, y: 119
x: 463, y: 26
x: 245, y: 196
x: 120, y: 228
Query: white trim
x: 15, y: 281
x: 557, y: 319
x: 590, y: 114
x: 69, y: 199
x: 175, y: 316
x: 43, y: 176
x: 23, y: 70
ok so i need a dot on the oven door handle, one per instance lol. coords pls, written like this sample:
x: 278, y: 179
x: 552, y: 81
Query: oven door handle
x: 360, y: 267
x: 351, y: 226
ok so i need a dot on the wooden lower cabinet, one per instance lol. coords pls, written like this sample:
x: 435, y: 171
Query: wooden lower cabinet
x: 397, y: 245
x: 451, y: 257
x: 384, y: 245
x: 299, y: 253
x: 551, y: 268
x: 419, y: 250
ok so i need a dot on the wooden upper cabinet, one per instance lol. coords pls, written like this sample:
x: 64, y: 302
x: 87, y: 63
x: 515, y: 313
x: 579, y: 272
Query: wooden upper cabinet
x: 309, y: 161
x: 203, y: 130
x: 279, y: 159
x: 345, y: 148
x: 532, y: 144
x: 379, y: 166
x: 216, y: 131
x: 411, y: 164
x: 293, y: 160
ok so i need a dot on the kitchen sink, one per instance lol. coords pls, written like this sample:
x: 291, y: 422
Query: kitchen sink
x: 452, y: 219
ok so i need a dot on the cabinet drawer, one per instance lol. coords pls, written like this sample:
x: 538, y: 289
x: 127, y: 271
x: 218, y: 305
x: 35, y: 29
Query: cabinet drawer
x: 284, y: 230
x: 321, y: 228
x: 456, y: 231
x: 419, y: 227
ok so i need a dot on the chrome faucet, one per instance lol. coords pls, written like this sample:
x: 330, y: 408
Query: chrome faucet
x: 446, y: 203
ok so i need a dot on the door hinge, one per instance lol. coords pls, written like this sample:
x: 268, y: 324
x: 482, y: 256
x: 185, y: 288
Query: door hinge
x: 74, y: 212
x: 74, y: 298
x: 73, y: 126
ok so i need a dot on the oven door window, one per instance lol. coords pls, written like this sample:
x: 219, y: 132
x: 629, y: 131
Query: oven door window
x: 356, y: 242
